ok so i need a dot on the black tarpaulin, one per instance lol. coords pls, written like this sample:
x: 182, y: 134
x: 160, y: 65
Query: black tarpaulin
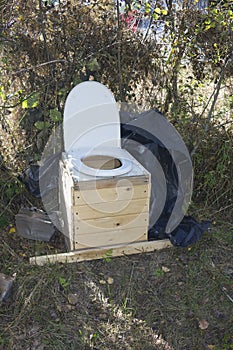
x: 155, y: 143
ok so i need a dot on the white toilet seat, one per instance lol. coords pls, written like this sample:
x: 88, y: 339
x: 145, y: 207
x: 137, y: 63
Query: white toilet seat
x: 92, y: 128
x: 117, y: 153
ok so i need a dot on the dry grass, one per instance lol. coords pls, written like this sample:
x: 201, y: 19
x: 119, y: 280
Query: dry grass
x: 148, y: 301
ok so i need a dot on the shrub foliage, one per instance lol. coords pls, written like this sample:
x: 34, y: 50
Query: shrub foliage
x: 185, y: 71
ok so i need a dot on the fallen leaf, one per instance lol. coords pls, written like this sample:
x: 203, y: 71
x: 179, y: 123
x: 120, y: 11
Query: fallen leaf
x: 203, y: 324
x: 22, y: 254
x: 68, y: 307
x: 110, y: 280
x: 102, y: 282
x: 73, y: 299
x: 103, y: 316
x: 59, y: 308
x: 165, y: 269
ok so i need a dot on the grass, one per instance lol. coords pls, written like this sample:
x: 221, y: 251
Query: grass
x: 150, y: 301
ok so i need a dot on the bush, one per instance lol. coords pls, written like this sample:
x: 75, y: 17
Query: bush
x: 186, y: 73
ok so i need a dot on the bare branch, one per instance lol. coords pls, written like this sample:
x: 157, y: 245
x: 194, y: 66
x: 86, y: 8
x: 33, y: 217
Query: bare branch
x: 39, y: 65
x: 215, y: 97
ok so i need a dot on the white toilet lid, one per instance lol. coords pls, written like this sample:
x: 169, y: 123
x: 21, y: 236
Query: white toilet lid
x: 91, y: 118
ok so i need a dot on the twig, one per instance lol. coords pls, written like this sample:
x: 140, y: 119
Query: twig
x: 215, y: 97
x: 8, y: 205
x: 227, y: 295
x: 39, y: 65
x: 129, y: 289
x: 222, y: 209
x: 10, y: 250
x: 41, y: 19
x: 150, y: 23
x: 223, y: 124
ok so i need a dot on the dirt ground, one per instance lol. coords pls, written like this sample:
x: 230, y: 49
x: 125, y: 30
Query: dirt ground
x: 173, y: 299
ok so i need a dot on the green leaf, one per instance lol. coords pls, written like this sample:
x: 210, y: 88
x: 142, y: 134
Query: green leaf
x: 42, y: 125
x: 159, y: 272
x: 77, y: 80
x: 3, y: 96
x: 147, y: 8
x: 157, y: 10
x: 93, y: 64
x: 63, y: 282
x: 155, y: 16
x: 164, y: 12
x: 4, y: 221
x: 108, y: 255
x: 32, y: 101
x: 62, y: 91
x: 55, y: 115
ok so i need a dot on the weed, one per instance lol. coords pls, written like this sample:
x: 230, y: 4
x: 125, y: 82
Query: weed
x: 4, y: 220
x: 108, y: 256
x: 159, y: 272
x: 64, y: 283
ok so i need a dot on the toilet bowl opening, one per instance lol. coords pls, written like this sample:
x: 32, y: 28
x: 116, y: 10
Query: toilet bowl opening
x: 102, y: 162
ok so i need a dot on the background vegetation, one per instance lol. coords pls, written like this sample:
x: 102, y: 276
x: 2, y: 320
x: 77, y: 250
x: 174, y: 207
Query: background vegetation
x: 175, y: 299
x: 185, y: 72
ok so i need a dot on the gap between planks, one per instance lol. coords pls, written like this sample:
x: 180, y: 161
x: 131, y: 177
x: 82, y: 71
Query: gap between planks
x: 101, y: 252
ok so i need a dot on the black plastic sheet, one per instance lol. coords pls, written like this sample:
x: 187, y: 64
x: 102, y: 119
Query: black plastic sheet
x: 32, y: 223
x: 146, y: 146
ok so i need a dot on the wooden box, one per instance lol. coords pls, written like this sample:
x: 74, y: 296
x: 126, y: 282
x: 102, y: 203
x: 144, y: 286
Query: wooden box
x: 99, y: 212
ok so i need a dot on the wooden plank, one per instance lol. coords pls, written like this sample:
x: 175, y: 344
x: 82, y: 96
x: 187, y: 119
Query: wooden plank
x: 111, y: 238
x: 101, y: 210
x: 111, y: 182
x: 65, y: 203
x: 110, y: 223
x: 100, y: 253
x: 127, y: 192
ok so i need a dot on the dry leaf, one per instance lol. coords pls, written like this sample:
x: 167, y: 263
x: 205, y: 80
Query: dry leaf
x: 165, y: 269
x: 12, y: 230
x: 110, y: 280
x: 203, y: 324
x: 73, y: 299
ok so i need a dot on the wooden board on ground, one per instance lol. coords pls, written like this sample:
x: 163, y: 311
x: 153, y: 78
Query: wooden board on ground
x: 101, y: 252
